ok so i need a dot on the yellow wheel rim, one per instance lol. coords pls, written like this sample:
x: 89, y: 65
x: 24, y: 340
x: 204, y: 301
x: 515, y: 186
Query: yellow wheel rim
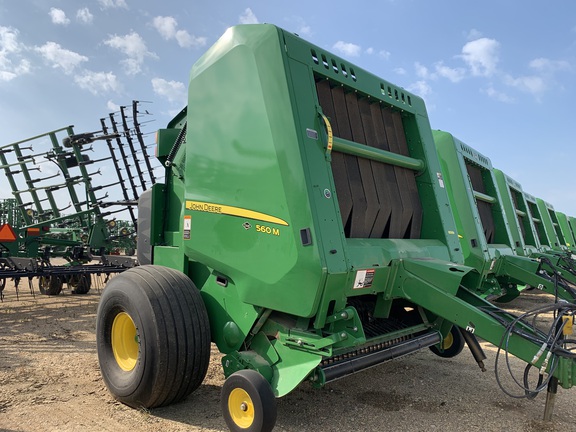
x: 448, y: 341
x: 241, y: 408
x: 125, y: 343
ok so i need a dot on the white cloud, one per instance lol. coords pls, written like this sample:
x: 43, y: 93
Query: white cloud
x: 134, y: 47
x: 347, y: 48
x: 299, y: 25
x: 97, y: 82
x: 248, y: 17
x: 547, y: 65
x: 166, y: 26
x: 186, y: 40
x: 112, y: 106
x: 400, y: 71
x: 113, y: 4
x: 60, y: 57
x: 384, y: 54
x: 422, y: 71
x: 497, y: 95
x: 84, y: 15
x: 453, y: 74
x: 421, y: 88
x: 168, y: 29
x: 59, y: 17
x: 304, y: 30
x: 12, y: 64
x: 533, y: 84
x: 370, y: 51
x: 481, y: 56
x: 174, y: 91
x: 9, y: 40
x: 474, y: 34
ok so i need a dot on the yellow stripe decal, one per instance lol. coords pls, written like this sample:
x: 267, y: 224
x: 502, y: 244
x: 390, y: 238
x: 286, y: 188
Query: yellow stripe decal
x: 233, y: 211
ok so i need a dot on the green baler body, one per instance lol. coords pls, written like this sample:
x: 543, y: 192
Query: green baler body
x: 542, y: 223
x: 515, y: 206
x: 305, y: 189
x: 489, y: 232
x: 252, y: 197
x: 484, y: 233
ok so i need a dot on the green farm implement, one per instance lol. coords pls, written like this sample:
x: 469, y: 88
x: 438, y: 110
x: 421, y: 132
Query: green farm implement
x: 66, y: 199
x: 531, y: 238
x: 488, y: 234
x: 304, y: 227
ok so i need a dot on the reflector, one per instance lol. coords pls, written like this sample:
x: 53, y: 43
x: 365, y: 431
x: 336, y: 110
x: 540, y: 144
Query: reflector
x: 7, y: 234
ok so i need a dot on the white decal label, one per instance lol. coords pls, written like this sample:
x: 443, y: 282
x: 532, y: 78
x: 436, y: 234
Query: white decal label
x: 364, y: 278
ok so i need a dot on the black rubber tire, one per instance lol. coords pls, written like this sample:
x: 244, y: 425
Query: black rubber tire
x: 50, y: 285
x: 172, y: 332
x: 129, y: 251
x: 454, y: 348
x: 79, y: 283
x: 262, y: 398
x: 2, y: 280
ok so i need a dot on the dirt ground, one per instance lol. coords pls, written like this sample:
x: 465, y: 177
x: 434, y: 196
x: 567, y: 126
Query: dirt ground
x: 50, y: 381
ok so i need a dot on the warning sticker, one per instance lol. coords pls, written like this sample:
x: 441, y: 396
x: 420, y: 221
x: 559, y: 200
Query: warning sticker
x: 187, y: 227
x: 440, y: 180
x: 364, y: 278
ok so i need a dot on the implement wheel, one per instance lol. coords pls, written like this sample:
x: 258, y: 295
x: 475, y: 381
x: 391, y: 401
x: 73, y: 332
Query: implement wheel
x: 152, y: 336
x: 452, y: 345
x: 248, y: 403
x: 79, y: 283
x: 50, y: 285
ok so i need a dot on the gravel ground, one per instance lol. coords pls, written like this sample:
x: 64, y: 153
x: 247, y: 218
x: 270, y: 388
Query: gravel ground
x: 50, y: 381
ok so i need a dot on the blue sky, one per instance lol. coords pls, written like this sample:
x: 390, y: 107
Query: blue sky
x: 498, y: 75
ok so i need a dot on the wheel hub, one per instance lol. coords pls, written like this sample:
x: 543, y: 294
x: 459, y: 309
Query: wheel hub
x: 241, y: 408
x: 125, y: 344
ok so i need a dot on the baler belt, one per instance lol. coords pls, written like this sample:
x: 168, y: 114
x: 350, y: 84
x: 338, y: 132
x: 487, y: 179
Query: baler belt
x: 521, y: 219
x: 376, y: 200
x: 484, y: 208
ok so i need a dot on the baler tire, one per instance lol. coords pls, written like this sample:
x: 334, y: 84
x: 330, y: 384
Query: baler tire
x: 80, y: 284
x: 453, y: 344
x: 152, y: 336
x: 50, y: 285
x: 248, y: 403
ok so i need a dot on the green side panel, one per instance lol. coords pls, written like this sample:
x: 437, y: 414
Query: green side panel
x: 546, y: 210
x: 542, y: 233
x: 572, y: 224
x: 246, y: 192
x: 564, y: 227
x: 169, y: 256
x: 509, y: 209
x: 526, y: 225
x: 476, y: 202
